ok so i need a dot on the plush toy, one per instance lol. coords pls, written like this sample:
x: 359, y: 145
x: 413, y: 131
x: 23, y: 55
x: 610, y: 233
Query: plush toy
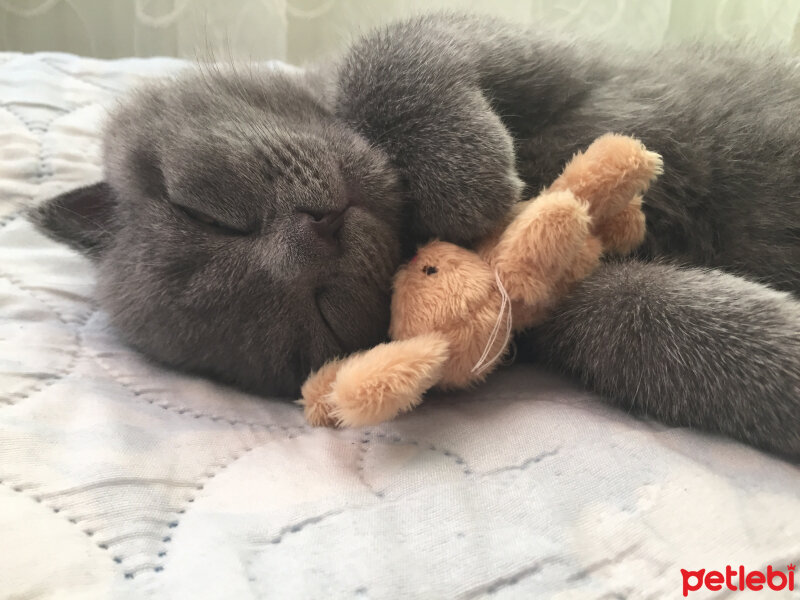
x: 454, y: 310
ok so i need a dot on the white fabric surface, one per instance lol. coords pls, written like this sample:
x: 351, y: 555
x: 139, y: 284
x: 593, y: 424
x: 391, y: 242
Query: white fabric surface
x: 120, y: 479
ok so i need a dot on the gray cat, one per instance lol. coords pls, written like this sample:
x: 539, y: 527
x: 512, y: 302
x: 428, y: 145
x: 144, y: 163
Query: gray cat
x: 249, y: 223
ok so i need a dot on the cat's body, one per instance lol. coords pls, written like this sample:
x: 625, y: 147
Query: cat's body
x: 316, y: 184
x: 726, y: 124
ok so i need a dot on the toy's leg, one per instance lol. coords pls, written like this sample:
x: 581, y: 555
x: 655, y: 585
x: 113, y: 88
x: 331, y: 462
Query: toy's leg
x: 378, y: 384
x: 315, y: 392
x: 539, y: 247
x: 623, y: 232
x: 613, y: 169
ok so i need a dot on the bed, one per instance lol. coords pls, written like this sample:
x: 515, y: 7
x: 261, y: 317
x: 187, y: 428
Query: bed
x: 122, y: 479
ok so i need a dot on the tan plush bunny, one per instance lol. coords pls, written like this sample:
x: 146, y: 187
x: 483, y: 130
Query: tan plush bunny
x: 454, y: 310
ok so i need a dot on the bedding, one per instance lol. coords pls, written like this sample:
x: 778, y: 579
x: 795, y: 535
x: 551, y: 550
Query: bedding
x: 122, y: 479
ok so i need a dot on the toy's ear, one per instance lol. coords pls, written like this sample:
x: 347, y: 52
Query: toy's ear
x: 83, y: 218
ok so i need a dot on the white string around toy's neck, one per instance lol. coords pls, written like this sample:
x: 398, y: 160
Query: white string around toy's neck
x: 483, y: 363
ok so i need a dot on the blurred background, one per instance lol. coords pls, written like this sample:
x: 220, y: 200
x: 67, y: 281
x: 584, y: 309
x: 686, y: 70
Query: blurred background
x: 300, y: 30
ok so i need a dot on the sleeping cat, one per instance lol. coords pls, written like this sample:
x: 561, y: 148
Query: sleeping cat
x: 249, y: 224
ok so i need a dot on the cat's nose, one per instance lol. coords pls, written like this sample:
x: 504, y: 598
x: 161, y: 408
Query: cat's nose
x: 326, y: 224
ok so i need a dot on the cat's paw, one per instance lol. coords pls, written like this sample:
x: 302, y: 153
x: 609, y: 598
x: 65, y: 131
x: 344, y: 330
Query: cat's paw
x: 458, y: 167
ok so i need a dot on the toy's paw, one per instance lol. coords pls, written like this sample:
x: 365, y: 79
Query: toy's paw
x: 387, y: 380
x: 316, y: 393
x: 623, y: 232
x: 612, y: 170
x: 317, y: 412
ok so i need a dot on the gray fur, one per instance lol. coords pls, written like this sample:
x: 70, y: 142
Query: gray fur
x: 694, y: 347
x: 432, y: 127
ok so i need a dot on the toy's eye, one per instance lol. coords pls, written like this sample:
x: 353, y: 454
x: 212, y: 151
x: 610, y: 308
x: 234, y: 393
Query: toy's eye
x: 429, y: 270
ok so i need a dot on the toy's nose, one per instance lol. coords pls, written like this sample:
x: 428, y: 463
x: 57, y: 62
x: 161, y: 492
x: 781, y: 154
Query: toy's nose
x: 326, y: 224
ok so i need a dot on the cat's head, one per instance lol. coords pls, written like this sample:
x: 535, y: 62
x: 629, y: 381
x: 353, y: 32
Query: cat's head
x: 241, y: 231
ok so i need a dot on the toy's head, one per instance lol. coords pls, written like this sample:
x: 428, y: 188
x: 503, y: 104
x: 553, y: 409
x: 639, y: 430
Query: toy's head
x: 449, y: 290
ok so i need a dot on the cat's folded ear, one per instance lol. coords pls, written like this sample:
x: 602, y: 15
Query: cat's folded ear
x: 84, y: 218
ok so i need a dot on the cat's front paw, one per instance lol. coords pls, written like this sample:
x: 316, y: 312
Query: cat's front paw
x: 458, y: 167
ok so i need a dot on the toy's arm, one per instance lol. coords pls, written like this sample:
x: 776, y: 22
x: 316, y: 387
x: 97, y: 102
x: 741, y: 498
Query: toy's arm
x: 611, y: 177
x: 374, y: 385
x: 553, y: 243
x: 539, y: 246
x: 557, y: 239
x: 612, y: 170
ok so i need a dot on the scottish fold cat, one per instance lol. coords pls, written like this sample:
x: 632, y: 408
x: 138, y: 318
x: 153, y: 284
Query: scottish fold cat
x: 250, y: 220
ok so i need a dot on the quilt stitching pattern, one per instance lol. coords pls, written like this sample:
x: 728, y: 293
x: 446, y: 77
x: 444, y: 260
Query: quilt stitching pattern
x: 52, y: 65
x: 75, y: 327
x: 189, y: 412
x: 58, y: 501
x: 36, y: 128
x: 6, y: 220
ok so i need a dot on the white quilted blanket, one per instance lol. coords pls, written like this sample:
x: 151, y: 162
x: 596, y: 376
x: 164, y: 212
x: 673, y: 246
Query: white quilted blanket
x: 120, y: 479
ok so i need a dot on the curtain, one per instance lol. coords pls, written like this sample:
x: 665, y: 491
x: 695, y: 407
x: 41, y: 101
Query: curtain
x: 301, y: 30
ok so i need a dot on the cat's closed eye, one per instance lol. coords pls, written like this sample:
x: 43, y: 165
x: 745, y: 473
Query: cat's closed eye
x: 209, y: 222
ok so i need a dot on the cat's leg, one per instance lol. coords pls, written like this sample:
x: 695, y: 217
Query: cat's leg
x: 455, y: 156
x: 444, y: 96
x: 426, y: 91
x: 691, y: 347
